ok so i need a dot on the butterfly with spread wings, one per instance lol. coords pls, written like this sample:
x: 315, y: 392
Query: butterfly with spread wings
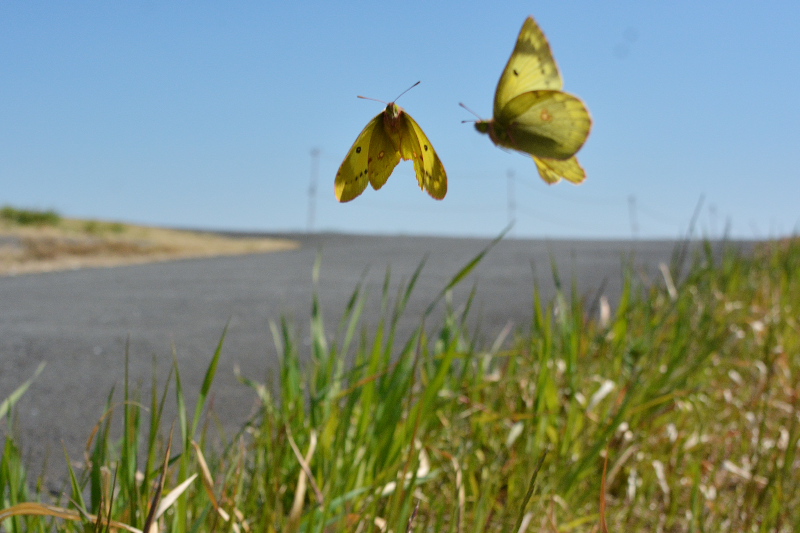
x: 533, y: 115
x: 389, y: 137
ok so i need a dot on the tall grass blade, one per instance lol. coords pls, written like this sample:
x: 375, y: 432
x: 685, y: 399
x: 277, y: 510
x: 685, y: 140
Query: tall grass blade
x: 8, y: 403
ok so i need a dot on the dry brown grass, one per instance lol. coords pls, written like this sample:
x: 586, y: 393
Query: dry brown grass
x: 80, y: 243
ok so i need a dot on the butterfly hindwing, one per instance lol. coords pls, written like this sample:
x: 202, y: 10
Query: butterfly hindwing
x: 552, y: 170
x: 384, y: 152
x: 544, y: 123
x: 531, y: 67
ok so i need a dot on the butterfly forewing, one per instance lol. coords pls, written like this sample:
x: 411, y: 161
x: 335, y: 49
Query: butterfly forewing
x: 431, y: 175
x: 531, y: 67
x: 353, y: 174
x: 552, y: 170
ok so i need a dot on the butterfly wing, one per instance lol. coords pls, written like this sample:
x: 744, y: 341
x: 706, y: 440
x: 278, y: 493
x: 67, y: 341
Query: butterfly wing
x: 531, y: 67
x: 552, y: 170
x: 544, y: 123
x: 371, y: 159
x: 415, y: 145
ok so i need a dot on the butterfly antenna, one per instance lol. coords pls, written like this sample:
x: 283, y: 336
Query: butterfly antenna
x: 404, y: 92
x: 373, y: 99
x: 471, y: 111
x: 393, y: 101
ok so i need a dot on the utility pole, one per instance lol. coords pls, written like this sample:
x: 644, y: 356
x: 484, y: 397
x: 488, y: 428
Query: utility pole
x: 633, y: 215
x: 712, y: 211
x: 312, y: 189
x: 512, y: 202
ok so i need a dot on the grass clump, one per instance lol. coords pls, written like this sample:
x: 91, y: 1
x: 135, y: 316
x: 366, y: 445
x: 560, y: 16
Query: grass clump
x: 29, y: 217
x: 97, y: 227
x: 677, y: 412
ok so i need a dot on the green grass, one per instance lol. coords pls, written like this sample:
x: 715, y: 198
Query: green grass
x: 29, y: 217
x: 15, y: 216
x: 685, y: 396
x: 96, y: 227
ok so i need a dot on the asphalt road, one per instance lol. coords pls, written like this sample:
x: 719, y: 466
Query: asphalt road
x: 80, y: 321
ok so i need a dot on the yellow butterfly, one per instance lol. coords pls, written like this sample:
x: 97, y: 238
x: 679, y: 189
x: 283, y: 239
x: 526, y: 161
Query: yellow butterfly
x: 389, y: 137
x: 533, y: 115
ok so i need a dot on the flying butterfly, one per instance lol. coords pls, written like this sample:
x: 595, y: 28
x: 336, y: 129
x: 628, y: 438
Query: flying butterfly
x: 533, y: 115
x: 389, y: 137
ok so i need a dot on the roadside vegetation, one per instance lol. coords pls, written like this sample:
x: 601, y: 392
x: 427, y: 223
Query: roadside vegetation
x: 38, y: 241
x: 29, y: 217
x: 675, y: 411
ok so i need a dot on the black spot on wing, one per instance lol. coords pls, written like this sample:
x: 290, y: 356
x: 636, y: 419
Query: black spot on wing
x: 358, y: 177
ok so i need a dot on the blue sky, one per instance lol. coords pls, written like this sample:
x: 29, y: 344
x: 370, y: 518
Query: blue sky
x: 204, y: 114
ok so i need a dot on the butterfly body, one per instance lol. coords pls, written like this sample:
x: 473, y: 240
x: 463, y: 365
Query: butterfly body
x: 387, y: 139
x: 533, y: 115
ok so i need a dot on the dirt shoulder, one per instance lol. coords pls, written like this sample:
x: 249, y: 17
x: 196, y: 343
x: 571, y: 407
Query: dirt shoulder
x: 73, y: 244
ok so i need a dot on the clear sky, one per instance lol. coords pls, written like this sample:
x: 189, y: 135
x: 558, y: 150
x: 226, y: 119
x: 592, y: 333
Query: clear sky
x: 204, y: 114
